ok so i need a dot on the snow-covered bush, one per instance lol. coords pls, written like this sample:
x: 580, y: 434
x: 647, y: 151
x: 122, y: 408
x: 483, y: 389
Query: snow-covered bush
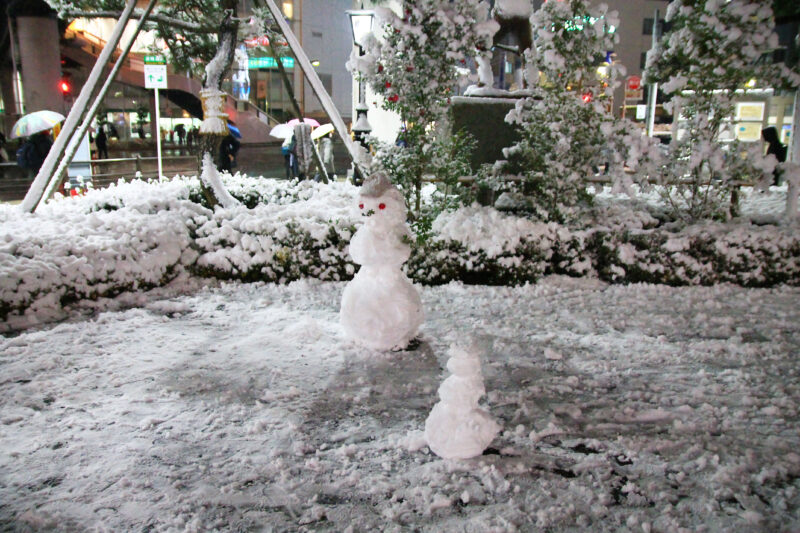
x: 567, y: 131
x: 714, y: 49
x: 52, y: 259
x: 135, y: 236
x: 707, y: 254
x: 446, y: 160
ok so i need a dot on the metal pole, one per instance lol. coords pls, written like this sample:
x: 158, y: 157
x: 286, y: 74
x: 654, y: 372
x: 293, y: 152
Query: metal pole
x: 316, y: 84
x: 37, y: 188
x: 158, y: 134
x: 78, y: 137
x: 653, y: 93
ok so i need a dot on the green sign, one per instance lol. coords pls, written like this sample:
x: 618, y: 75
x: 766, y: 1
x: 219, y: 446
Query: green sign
x: 269, y: 62
x: 154, y: 60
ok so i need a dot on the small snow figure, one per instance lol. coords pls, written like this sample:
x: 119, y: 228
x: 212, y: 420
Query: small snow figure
x: 380, y: 307
x: 457, y: 427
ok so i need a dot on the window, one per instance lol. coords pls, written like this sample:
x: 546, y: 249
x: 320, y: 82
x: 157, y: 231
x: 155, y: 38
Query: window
x: 647, y: 26
x: 642, y: 60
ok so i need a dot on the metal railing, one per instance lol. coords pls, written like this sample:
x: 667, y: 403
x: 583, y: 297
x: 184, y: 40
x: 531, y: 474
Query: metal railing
x: 15, y: 181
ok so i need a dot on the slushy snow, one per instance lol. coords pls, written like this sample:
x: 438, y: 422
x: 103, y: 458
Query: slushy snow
x: 381, y: 309
x: 458, y: 428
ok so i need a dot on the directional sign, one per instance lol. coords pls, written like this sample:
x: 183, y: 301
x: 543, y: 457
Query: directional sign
x: 154, y: 60
x: 155, y: 76
x: 269, y: 62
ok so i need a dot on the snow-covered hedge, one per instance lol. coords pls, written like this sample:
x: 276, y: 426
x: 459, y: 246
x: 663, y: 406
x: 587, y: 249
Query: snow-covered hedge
x: 302, y: 232
x: 480, y: 245
x: 139, y: 235
x: 83, y: 251
x: 748, y: 255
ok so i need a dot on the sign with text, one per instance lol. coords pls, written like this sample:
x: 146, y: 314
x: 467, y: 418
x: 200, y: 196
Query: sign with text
x: 155, y: 76
x: 154, y: 60
x: 269, y: 62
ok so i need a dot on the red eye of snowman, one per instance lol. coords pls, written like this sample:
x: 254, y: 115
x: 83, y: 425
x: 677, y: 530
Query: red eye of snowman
x: 361, y: 206
x: 381, y: 206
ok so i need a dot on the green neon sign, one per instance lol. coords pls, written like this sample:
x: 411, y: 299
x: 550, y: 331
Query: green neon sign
x: 154, y: 60
x: 269, y: 62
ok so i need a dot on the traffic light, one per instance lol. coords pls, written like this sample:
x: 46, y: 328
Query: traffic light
x: 65, y: 86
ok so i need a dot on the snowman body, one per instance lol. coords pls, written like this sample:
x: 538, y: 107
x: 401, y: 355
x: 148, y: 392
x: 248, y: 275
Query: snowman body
x: 380, y: 308
x: 457, y: 427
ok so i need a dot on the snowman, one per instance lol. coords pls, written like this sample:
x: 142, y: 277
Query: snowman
x: 381, y: 309
x: 457, y: 428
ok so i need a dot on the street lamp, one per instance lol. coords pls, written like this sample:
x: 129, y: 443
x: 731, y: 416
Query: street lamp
x: 361, y: 26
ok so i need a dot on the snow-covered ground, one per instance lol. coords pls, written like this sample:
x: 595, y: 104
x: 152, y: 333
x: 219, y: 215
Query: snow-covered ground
x: 241, y: 407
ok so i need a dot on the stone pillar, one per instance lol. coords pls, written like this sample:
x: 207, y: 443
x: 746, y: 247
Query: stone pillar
x: 9, y: 99
x: 40, y: 63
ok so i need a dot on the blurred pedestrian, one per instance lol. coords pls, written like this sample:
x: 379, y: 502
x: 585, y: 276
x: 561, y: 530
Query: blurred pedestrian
x: 101, y: 141
x: 287, y: 149
x: 774, y: 147
x: 3, y: 152
x: 33, y: 152
x: 227, y: 153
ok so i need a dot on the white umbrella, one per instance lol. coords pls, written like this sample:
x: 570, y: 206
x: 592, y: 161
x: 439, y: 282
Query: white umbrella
x: 310, y: 121
x: 35, y: 122
x: 282, y: 131
x: 322, y: 130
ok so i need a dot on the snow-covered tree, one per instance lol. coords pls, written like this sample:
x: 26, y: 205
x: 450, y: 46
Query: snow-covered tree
x: 567, y: 130
x: 713, y: 51
x: 414, y: 64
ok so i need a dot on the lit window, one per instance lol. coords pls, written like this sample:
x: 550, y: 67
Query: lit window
x: 288, y: 9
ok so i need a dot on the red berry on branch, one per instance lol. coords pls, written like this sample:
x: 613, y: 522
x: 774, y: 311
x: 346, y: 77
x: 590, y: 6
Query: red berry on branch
x: 381, y: 206
x: 393, y: 98
x: 380, y: 67
x: 388, y: 84
x: 409, y: 68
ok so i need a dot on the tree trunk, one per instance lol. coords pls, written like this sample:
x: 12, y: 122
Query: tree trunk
x: 211, y: 137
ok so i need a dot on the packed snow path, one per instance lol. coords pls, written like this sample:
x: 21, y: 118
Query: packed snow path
x: 241, y: 408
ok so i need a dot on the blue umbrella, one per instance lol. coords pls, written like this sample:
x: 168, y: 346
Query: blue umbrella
x: 235, y: 131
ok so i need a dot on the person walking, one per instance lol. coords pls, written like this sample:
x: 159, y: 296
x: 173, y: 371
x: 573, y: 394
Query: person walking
x: 33, y: 152
x: 774, y: 147
x: 227, y: 153
x: 287, y: 149
x: 101, y: 141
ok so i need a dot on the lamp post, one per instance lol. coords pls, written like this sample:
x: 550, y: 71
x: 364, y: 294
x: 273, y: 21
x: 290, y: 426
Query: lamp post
x: 361, y: 26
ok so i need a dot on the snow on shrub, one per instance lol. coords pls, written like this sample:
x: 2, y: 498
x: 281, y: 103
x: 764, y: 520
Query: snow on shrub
x: 59, y: 256
x: 139, y: 235
x: 282, y: 241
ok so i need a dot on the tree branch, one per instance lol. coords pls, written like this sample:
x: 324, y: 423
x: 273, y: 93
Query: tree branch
x: 155, y: 17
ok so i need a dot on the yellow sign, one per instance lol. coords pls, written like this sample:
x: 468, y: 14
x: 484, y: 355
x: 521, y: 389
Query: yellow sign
x: 750, y: 111
x: 748, y: 131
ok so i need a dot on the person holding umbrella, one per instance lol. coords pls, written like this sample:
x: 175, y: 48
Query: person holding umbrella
x: 36, y: 127
x: 33, y: 152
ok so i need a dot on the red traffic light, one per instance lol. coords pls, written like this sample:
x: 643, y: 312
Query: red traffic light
x: 65, y: 87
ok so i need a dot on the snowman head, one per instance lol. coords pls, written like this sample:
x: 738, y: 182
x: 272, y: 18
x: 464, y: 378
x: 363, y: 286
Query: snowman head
x: 381, y: 201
